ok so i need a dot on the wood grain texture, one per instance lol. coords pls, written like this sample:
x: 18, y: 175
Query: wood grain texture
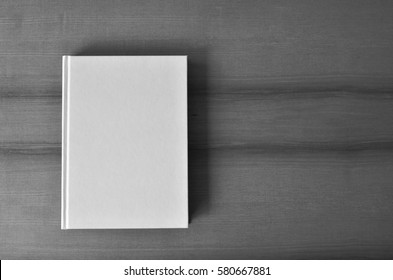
x: 290, y: 126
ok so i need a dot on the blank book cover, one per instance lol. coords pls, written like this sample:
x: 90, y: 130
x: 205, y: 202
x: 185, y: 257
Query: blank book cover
x: 124, y: 152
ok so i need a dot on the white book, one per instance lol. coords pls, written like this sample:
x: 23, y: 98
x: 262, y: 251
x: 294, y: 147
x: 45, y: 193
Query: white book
x: 124, y: 152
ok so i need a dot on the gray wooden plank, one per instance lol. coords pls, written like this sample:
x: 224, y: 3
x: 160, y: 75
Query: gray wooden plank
x: 268, y: 118
x: 298, y: 204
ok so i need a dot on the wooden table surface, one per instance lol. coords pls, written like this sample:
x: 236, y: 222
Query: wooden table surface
x: 290, y: 126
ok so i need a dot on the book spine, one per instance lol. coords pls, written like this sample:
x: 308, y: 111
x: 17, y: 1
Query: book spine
x: 64, y: 150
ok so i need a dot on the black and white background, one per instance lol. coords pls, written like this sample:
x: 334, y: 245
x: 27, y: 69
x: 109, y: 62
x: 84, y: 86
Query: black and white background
x: 290, y: 126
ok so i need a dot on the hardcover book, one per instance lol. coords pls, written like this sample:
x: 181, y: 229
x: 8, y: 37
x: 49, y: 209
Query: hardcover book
x: 124, y: 150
